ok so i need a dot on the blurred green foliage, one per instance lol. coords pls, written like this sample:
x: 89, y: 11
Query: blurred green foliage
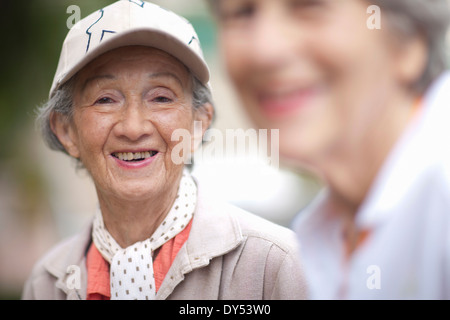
x: 32, y: 33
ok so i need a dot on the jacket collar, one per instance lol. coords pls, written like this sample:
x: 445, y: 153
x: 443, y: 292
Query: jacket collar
x: 419, y: 155
x: 215, y: 231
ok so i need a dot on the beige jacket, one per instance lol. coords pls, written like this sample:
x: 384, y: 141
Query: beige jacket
x: 230, y: 254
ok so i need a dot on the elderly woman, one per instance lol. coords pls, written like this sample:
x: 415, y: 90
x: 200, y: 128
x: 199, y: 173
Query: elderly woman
x: 359, y: 92
x: 130, y: 75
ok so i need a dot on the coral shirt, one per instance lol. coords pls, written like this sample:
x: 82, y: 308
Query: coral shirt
x: 98, y: 284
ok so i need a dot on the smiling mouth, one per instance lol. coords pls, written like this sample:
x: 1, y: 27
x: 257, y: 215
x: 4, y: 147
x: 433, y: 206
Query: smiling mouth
x: 134, y: 156
x: 281, y: 103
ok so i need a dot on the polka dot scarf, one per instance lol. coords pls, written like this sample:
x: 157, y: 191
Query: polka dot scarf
x: 131, y: 268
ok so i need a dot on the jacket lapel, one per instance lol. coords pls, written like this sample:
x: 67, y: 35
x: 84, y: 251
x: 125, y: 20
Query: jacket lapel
x: 69, y: 267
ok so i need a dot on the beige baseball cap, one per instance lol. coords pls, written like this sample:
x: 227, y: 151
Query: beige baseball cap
x: 125, y: 23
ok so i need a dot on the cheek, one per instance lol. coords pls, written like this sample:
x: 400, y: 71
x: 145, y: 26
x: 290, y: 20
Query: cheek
x: 235, y: 51
x: 348, y: 50
x: 359, y: 78
x: 93, y: 133
x: 173, y: 123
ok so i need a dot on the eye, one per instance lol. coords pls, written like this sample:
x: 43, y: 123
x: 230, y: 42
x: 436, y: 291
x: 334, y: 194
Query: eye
x: 245, y: 11
x: 104, y: 100
x: 305, y: 5
x: 239, y: 12
x: 162, y: 99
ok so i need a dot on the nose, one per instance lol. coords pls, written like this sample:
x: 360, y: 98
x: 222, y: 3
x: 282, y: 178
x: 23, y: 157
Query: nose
x: 274, y: 39
x: 134, y: 122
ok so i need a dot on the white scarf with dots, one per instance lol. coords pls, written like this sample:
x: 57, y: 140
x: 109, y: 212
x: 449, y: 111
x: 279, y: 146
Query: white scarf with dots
x: 131, y: 268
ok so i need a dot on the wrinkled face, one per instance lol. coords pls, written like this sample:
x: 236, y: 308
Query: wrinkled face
x: 127, y: 104
x: 310, y: 68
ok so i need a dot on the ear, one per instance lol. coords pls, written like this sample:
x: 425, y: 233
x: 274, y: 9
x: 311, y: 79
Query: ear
x: 411, y: 60
x: 64, y: 131
x: 203, y: 116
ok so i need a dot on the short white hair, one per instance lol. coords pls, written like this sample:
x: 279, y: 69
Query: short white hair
x: 426, y: 18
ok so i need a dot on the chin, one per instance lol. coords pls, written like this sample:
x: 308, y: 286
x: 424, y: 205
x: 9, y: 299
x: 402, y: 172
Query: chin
x: 298, y: 152
x: 136, y: 191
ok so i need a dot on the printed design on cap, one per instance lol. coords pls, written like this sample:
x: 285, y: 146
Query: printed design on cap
x: 94, y: 33
x: 192, y: 39
x: 140, y: 4
x: 101, y: 34
x: 103, y: 31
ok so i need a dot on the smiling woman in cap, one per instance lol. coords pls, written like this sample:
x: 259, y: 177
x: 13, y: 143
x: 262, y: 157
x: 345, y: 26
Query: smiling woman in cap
x: 129, y: 75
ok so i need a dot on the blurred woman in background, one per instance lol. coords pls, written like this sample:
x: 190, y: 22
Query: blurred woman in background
x: 359, y: 92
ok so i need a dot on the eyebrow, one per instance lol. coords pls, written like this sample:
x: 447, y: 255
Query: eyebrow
x: 166, y: 74
x: 96, y: 77
x: 111, y: 77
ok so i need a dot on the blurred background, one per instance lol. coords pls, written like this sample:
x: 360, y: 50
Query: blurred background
x: 43, y: 198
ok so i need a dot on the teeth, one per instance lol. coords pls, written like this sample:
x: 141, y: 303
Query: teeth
x: 129, y: 156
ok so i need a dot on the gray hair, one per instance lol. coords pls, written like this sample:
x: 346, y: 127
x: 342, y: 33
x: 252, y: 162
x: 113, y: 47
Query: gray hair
x: 426, y: 18
x: 62, y: 102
